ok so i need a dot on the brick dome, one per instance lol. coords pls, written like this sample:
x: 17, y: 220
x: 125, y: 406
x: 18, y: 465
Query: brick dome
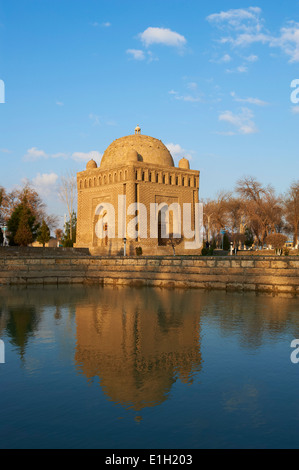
x: 149, y: 150
x: 91, y: 165
x: 184, y: 164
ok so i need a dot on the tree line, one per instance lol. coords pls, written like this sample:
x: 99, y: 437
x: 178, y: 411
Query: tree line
x: 253, y: 214
x: 23, y: 213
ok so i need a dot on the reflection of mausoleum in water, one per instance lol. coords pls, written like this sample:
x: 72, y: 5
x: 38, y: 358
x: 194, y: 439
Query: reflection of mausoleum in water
x: 142, y: 169
x: 138, y: 347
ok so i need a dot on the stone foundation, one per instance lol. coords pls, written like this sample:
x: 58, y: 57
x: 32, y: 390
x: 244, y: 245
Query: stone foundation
x: 260, y: 274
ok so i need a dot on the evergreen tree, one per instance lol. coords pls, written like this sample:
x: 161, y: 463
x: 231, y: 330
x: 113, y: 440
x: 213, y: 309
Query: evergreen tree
x: 22, y: 226
x: 24, y: 235
x: 249, y: 238
x: 67, y: 239
x: 226, y: 242
x: 43, y: 235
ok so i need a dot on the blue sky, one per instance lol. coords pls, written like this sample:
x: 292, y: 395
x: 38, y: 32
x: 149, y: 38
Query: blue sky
x: 212, y: 80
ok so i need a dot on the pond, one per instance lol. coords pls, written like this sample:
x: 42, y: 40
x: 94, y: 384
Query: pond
x: 128, y: 368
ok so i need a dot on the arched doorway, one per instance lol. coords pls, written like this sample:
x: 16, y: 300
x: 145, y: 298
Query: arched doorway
x: 163, y: 225
x: 101, y: 230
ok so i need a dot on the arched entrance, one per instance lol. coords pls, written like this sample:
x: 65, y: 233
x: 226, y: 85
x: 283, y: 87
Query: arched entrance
x: 163, y: 225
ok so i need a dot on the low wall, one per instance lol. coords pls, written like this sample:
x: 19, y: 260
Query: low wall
x: 271, y: 274
x: 44, y: 252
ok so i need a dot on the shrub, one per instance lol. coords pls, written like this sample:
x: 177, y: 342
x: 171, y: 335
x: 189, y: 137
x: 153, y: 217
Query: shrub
x: 207, y: 252
x: 277, y: 241
x: 226, y: 242
x: 138, y: 250
x: 67, y: 243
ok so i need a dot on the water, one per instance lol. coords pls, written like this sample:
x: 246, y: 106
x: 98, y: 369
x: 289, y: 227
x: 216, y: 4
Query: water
x: 117, y: 368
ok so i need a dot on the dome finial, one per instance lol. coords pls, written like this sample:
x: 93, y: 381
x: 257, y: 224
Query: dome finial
x: 137, y: 129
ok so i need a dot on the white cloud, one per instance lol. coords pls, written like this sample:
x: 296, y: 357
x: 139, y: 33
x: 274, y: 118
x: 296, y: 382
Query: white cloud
x: 86, y: 156
x: 243, y: 121
x: 45, y: 183
x: 244, y: 27
x: 240, y: 69
x: 107, y: 24
x: 236, y: 18
x: 137, y: 54
x: 188, y: 98
x: 59, y: 103
x: 226, y: 58
x: 247, y: 39
x: 255, y: 101
x: 289, y: 41
x: 295, y: 109
x: 162, y: 36
x: 35, y: 154
x: 252, y: 58
x: 178, y: 152
x: 45, y: 179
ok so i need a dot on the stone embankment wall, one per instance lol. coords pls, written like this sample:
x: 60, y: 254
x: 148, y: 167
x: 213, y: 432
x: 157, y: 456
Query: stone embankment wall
x: 271, y: 274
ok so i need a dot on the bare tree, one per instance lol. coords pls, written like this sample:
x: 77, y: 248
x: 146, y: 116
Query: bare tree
x: 58, y: 234
x: 68, y: 195
x: 291, y: 210
x: 2, y: 197
x: 216, y: 216
x: 236, y: 215
x: 262, y: 208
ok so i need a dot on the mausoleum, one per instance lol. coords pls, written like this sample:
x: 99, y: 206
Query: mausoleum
x: 137, y: 197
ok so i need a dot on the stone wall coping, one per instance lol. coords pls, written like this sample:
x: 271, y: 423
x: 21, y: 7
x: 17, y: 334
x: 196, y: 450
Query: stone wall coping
x: 82, y: 253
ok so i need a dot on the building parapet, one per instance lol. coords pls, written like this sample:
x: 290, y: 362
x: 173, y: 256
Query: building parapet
x: 139, y: 172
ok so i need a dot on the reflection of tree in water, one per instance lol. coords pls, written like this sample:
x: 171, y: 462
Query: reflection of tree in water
x: 21, y: 324
x: 21, y: 310
x: 58, y: 313
x: 2, y: 319
x: 253, y: 319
